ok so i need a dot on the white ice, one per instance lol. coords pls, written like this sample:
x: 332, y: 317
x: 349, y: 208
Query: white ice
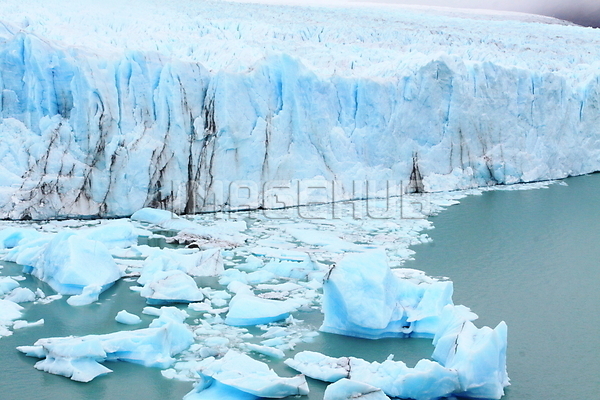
x: 173, y: 286
x: 79, y: 358
x: 127, y: 318
x: 245, y: 309
x: 243, y: 373
x: 345, y: 389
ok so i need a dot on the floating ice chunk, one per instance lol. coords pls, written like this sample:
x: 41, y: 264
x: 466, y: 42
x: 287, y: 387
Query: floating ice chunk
x: 157, y: 217
x: 224, y: 234
x: 345, y: 389
x: 68, y: 262
x: 127, y: 318
x: 7, y: 284
x: 243, y: 373
x: 171, y: 287
x: 479, y: 355
x: 247, y: 309
x: 280, y: 287
x: 280, y: 254
x: 21, y: 295
x: 204, y: 263
x: 9, y: 311
x: 210, y: 389
x: 253, y: 278
x: 427, y: 380
x: 364, y: 298
x: 265, y: 350
x: 293, y: 269
x: 79, y: 358
x: 89, y: 295
x: 319, y: 366
x: 329, y: 240
x: 12, y: 237
x: 115, y: 234
x: 20, y: 324
x: 251, y: 264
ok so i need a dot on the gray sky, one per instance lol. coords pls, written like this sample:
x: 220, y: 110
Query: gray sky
x: 584, y: 12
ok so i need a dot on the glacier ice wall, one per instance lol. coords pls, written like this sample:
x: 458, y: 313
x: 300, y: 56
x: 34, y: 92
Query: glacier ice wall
x: 98, y: 131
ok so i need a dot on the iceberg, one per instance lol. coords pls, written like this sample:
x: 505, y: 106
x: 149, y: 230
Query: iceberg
x: 79, y: 358
x: 363, y: 297
x: 478, y: 355
x: 67, y: 261
x: 243, y: 373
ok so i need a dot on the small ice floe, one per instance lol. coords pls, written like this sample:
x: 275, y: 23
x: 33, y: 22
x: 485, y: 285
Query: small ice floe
x: 9, y: 312
x: 20, y: 324
x: 266, y: 350
x: 174, y: 286
x: 79, y: 358
x: 237, y: 373
x: 247, y: 309
x: 127, y: 318
x: 7, y: 284
x: 346, y: 389
x: 21, y: 295
x: 88, y: 295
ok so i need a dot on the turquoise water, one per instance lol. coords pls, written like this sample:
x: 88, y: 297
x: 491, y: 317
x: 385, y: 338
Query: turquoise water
x: 530, y: 258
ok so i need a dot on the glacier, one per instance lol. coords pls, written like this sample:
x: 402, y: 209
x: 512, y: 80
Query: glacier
x: 220, y: 105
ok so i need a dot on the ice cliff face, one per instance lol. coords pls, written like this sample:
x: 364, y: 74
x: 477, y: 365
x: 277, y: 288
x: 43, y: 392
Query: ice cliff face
x: 105, y: 111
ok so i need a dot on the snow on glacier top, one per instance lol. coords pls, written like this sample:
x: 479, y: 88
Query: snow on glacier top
x: 342, y: 38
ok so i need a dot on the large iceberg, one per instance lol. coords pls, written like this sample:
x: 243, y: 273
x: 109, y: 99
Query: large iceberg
x: 219, y: 105
x: 363, y: 297
x: 67, y: 261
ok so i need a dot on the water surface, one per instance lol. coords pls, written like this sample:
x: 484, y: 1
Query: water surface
x: 530, y: 258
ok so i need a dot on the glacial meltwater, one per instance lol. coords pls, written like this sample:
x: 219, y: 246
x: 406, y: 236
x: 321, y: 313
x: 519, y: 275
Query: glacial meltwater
x: 528, y: 257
